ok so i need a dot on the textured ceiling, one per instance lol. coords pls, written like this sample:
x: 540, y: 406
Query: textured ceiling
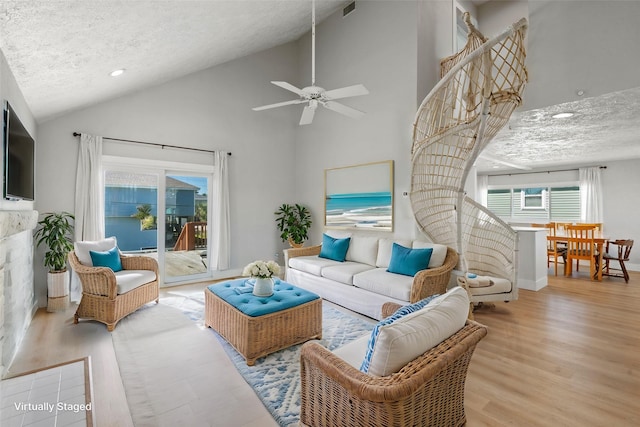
x: 602, y: 128
x: 62, y: 51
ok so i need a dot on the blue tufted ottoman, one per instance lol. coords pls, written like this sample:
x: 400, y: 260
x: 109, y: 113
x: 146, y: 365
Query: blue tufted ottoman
x: 257, y: 326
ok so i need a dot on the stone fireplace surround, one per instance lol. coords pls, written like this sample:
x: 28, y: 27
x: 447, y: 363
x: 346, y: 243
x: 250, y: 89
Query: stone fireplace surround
x: 17, y: 300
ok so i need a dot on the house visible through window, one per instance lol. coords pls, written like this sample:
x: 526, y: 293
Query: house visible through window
x: 535, y: 203
x: 533, y: 198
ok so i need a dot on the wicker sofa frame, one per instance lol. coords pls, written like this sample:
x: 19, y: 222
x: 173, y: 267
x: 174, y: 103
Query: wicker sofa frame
x: 100, y: 300
x: 428, y: 391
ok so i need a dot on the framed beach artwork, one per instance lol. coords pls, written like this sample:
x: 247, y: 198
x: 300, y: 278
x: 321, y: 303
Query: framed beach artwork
x: 359, y: 196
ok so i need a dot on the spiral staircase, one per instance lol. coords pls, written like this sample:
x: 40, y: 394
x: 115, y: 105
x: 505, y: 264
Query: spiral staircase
x: 480, y: 87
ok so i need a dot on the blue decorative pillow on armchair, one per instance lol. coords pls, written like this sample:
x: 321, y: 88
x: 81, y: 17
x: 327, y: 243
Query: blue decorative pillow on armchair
x: 335, y: 249
x: 109, y: 259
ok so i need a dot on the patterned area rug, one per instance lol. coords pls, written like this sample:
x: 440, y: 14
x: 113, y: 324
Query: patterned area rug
x: 276, y: 377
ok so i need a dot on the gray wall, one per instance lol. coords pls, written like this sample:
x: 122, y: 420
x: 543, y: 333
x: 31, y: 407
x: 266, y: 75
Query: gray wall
x: 377, y: 45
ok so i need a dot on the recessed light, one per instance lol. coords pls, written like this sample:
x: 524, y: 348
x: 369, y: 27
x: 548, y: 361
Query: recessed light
x: 117, y: 73
x: 562, y: 115
x: 580, y: 92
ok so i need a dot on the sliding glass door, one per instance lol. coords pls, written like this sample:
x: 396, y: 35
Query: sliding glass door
x: 162, y: 213
x: 185, y: 226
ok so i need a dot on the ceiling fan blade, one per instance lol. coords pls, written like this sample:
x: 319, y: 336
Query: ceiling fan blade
x: 307, y: 114
x: 289, y: 87
x: 346, y: 92
x: 343, y: 109
x: 279, y: 104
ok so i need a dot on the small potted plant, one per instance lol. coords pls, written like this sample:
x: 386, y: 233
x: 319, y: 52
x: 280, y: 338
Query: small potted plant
x: 293, y: 222
x: 55, y: 231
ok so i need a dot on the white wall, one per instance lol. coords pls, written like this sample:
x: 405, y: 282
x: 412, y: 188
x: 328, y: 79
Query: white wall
x: 495, y: 16
x: 376, y: 45
x: 211, y: 110
x: 589, y: 45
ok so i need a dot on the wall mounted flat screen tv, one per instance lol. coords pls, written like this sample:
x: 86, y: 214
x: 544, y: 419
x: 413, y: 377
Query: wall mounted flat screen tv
x: 19, y: 158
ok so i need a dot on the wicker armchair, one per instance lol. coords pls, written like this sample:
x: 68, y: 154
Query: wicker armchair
x: 428, y: 391
x: 100, y: 299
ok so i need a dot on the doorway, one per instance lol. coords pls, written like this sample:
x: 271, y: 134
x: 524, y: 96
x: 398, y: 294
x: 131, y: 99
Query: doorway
x: 163, y: 213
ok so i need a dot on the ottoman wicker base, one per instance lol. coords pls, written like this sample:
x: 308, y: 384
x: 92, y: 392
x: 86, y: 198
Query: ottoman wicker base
x: 255, y: 337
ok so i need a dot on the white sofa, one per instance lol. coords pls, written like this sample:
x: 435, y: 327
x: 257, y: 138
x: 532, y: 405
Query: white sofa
x: 362, y: 283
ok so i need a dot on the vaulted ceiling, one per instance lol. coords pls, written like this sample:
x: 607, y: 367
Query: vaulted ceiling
x: 61, y: 53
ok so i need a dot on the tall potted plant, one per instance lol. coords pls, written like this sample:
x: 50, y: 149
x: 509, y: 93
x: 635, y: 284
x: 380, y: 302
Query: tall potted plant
x: 55, y: 231
x: 293, y: 222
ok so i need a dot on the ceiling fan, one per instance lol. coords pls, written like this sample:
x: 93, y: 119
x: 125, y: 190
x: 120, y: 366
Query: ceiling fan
x: 314, y: 95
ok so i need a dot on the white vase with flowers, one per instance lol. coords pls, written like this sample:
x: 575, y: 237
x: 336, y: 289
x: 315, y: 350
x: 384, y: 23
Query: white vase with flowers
x: 263, y: 272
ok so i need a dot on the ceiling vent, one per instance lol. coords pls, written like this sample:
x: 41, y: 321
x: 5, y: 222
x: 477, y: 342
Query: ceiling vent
x: 348, y: 9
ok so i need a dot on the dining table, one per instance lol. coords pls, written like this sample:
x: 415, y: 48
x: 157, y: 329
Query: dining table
x: 599, y: 240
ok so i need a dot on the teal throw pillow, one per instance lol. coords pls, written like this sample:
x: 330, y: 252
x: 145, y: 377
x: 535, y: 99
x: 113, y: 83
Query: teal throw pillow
x: 335, y: 249
x: 110, y: 258
x: 408, y: 261
x: 399, y: 313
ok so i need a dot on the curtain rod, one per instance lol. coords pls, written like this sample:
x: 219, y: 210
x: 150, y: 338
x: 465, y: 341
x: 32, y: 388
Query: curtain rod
x: 155, y: 144
x: 527, y: 173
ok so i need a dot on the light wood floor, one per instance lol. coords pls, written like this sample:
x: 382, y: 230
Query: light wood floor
x: 567, y: 355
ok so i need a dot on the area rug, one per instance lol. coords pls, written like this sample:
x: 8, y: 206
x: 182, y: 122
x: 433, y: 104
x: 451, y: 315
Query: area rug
x: 276, y: 377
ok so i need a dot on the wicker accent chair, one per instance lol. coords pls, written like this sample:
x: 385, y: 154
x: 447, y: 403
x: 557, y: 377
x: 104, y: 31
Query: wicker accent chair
x: 100, y: 299
x: 428, y: 391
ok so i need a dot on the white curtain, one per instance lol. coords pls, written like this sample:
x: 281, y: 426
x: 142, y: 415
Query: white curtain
x: 483, y: 189
x: 89, y: 212
x: 220, y: 230
x: 591, y: 209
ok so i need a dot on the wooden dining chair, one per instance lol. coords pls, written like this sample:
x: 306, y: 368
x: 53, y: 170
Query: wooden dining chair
x: 562, y: 226
x: 554, y: 249
x: 581, y: 246
x: 596, y: 225
x: 622, y: 255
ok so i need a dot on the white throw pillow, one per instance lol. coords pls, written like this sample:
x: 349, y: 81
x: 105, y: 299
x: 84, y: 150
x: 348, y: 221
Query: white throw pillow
x: 82, y: 249
x: 437, y: 256
x: 410, y: 336
x: 363, y: 249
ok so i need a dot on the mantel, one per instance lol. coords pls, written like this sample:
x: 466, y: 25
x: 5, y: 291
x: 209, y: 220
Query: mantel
x: 13, y: 222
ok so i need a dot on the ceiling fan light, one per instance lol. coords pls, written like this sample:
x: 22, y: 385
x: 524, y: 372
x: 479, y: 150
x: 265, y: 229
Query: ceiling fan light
x: 116, y: 73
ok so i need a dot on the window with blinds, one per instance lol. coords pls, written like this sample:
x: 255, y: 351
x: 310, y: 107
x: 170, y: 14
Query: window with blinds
x: 536, y: 203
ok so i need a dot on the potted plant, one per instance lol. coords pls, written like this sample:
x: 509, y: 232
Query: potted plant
x: 293, y: 222
x: 55, y: 231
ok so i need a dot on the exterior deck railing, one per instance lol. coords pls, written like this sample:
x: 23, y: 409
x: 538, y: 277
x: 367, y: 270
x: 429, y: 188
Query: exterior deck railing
x: 192, y: 236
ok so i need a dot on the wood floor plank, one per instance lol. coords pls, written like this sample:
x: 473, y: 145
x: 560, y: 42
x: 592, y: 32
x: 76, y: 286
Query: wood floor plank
x: 568, y: 354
